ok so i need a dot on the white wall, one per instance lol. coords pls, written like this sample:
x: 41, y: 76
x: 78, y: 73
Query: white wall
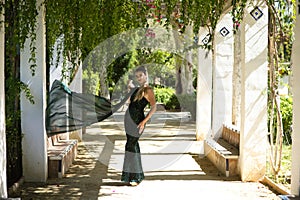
x: 55, y: 72
x: 222, y: 89
x: 76, y: 85
x: 3, y: 185
x: 295, y: 185
x: 33, y: 115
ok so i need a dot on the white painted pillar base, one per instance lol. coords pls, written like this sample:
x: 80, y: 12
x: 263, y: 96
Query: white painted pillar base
x: 33, y: 115
x: 253, y: 138
x: 3, y: 184
x: 295, y: 184
x: 203, y: 116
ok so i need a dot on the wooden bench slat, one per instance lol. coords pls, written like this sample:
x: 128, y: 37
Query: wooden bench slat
x: 231, y: 134
x: 225, y: 149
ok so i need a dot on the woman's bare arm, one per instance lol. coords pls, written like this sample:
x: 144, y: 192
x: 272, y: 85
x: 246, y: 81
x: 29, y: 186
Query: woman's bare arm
x: 149, y: 95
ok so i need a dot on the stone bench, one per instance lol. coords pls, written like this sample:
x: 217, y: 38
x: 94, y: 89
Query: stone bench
x: 61, y: 154
x: 224, y: 152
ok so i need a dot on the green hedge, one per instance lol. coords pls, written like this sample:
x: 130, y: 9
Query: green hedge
x: 163, y: 94
x: 286, y: 107
x: 172, y: 101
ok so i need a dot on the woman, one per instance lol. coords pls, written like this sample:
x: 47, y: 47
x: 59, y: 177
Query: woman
x: 135, y: 122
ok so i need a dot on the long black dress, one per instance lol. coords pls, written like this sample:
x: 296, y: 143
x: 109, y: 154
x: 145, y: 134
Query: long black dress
x: 132, y: 167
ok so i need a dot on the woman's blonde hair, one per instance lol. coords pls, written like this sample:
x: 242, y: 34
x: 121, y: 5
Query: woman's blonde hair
x: 140, y: 93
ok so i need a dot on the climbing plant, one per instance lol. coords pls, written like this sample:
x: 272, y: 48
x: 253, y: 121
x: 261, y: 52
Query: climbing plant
x: 237, y: 13
x: 281, y: 24
x: 19, y: 22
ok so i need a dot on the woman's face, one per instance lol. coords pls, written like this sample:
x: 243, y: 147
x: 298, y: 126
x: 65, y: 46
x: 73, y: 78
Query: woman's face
x: 141, y: 77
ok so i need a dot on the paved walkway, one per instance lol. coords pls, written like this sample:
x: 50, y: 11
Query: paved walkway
x: 172, y: 161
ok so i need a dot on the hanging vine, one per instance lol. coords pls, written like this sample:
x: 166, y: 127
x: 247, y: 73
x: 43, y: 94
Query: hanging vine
x: 237, y: 13
x: 19, y: 23
x: 280, y: 37
x: 85, y: 24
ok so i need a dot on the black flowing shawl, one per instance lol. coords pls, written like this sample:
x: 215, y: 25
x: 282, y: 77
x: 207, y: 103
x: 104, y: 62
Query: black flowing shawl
x: 68, y: 111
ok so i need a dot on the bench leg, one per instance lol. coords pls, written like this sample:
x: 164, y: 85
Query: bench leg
x: 227, y: 167
x: 60, y: 173
x: 54, y: 168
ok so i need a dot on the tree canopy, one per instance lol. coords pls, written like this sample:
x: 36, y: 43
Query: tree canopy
x: 86, y: 23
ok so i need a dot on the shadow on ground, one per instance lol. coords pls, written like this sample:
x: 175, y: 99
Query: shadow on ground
x: 86, y: 177
x: 96, y: 171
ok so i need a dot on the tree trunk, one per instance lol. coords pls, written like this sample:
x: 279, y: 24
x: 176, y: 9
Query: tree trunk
x: 184, y: 67
x: 104, y: 92
x: 184, y: 73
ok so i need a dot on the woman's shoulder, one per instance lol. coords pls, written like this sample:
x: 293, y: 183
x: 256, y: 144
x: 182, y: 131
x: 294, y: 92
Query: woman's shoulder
x: 148, y: 88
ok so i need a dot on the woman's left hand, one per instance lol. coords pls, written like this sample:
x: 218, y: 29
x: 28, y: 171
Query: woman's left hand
x: 141, y: 127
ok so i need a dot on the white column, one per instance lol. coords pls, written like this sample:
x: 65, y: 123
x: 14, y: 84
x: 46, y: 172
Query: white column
x: 76, y: 85
x: 33, y: 115
x: 295, y: 184
x: 203, y: 116
x: 222, y: 89
x: 253, y: 138
x: 3, y: 185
